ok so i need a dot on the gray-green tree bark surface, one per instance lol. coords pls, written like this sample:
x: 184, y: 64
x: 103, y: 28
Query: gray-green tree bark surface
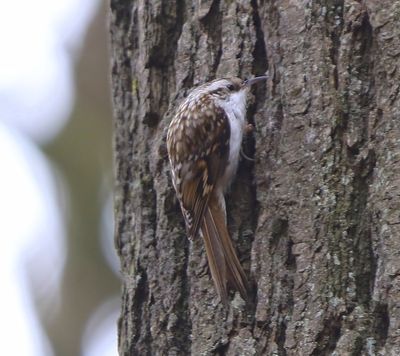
x: 315, y: 218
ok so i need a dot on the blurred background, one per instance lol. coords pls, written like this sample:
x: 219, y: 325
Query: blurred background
x: 58, y: 268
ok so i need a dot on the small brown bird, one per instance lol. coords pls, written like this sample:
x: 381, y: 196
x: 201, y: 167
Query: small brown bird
x: 204, y: 141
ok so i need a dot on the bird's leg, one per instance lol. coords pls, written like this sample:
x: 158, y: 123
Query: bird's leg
x: 248, y: 129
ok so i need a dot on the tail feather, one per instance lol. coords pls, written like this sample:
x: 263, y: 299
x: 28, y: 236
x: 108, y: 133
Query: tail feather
x: 222, y: 259
x: 215, y: 256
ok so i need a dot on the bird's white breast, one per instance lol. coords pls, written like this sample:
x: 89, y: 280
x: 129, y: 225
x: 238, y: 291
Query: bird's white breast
x: 235, y: 108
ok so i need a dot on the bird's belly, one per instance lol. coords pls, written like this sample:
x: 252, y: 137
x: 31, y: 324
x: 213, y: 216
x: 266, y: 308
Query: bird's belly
x: 235, y: 143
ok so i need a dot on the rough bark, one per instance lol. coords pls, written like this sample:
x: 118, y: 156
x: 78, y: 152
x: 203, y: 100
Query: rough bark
x: 315, y: 218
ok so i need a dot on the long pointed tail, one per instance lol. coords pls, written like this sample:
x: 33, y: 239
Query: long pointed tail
x: 222, y: 259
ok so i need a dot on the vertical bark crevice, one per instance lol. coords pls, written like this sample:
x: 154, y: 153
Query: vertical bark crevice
x: 329, y: 336
x: 334, y: 21
x: 211, y: 24
x: 381, y: 323
x: 140, y: 312
x: 260, y: 61
x: 183, y: 327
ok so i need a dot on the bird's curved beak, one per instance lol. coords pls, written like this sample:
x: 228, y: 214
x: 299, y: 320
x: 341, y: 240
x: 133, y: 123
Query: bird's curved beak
x: 250, y: 82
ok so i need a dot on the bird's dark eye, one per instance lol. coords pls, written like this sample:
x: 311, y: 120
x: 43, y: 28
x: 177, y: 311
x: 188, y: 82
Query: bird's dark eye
x: 231, y: 87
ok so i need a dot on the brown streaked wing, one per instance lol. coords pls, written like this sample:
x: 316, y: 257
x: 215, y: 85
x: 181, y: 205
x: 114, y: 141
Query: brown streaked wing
x: 210, y: 144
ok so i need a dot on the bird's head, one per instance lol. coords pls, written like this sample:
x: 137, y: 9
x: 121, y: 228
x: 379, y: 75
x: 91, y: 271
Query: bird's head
x: 229, y: 90
x: 225, y: 87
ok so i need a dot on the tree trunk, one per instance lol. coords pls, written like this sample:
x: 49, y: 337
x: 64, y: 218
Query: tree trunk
x: 315, y: 218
